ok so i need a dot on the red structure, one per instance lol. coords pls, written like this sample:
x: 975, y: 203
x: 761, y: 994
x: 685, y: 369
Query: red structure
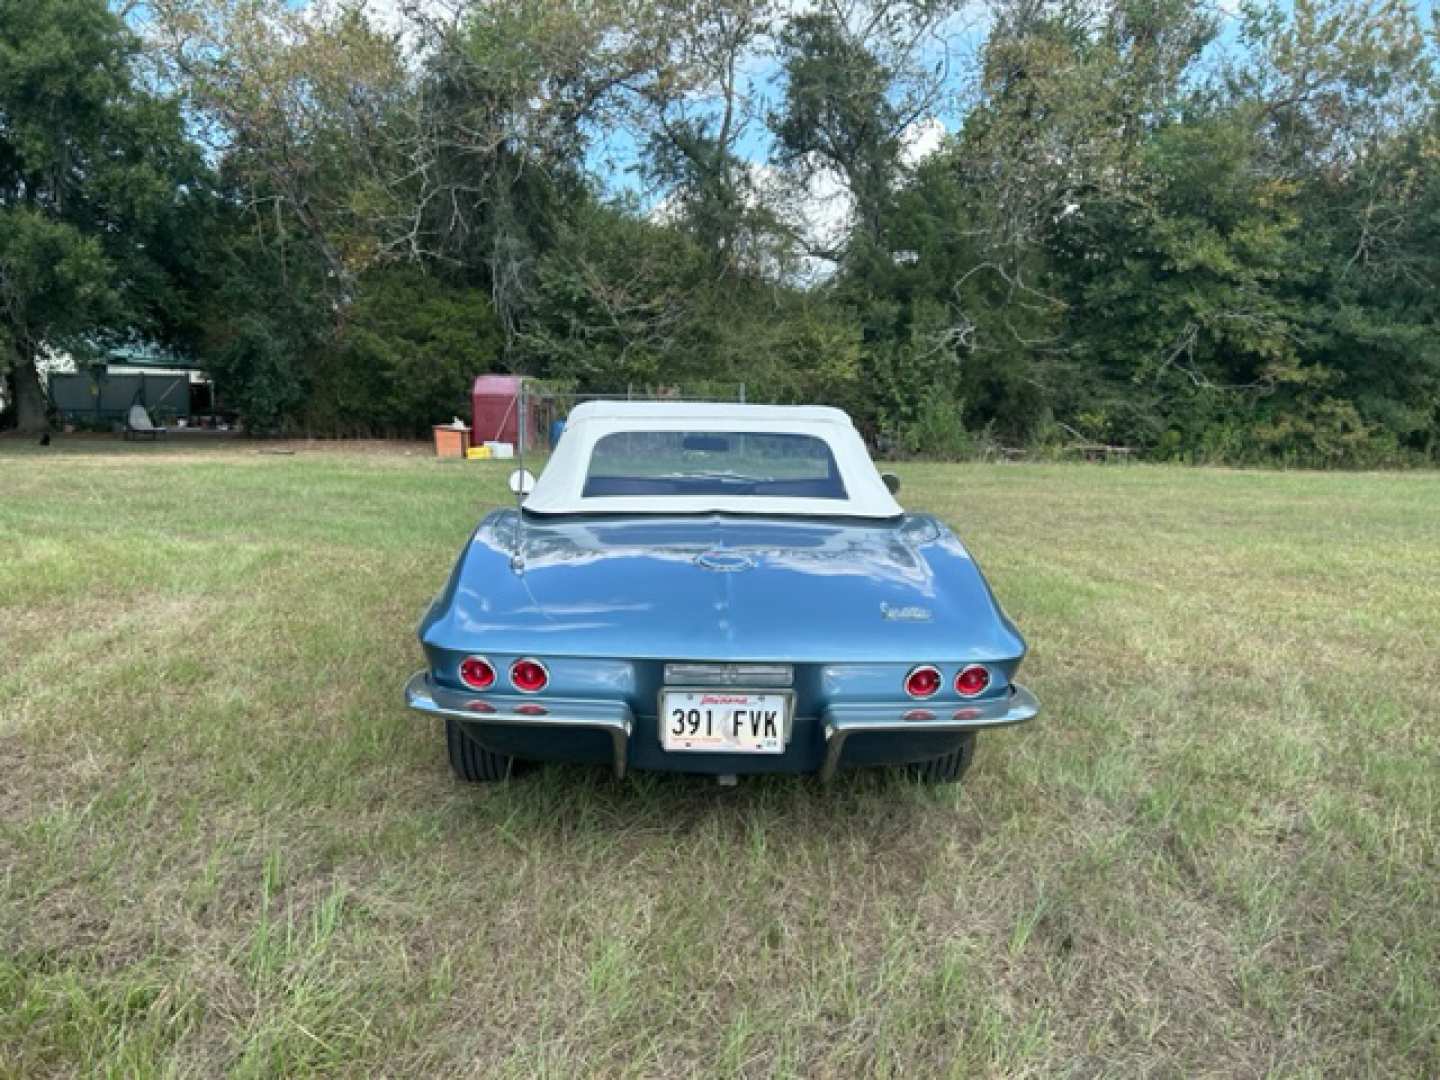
x: 495, y: 404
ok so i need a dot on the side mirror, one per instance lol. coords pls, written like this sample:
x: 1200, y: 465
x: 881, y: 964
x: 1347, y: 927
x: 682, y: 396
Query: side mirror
x: 522, y: 481
x: 891, y: 481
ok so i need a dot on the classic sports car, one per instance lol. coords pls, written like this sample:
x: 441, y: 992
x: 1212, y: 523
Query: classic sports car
x: 718, y: 589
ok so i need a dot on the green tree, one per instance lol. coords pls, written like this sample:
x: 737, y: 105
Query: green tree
x: 91, y: 166
x: 1136, y: 233
x: 264, y: 310
x: 1187, y: 287
x: 406, y: 355
x: 615, y: 303
x: 699, y: 114
x: 856, y: 78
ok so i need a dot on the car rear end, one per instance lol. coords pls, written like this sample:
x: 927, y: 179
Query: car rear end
x: 716, y: 588
x: 720, y: 717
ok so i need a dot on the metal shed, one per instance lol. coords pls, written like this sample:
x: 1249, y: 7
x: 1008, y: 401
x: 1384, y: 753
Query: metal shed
x: 161, y: 381
x: 495, y: 403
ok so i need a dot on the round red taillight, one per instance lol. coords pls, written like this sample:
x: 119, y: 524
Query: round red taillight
x: 528, y: 676
x: 476, y: 673
x: 972, y: 680
x: 923, y: 681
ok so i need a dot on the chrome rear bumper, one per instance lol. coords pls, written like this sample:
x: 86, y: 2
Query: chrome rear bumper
x: 613, y: 717
x: 842, y: 721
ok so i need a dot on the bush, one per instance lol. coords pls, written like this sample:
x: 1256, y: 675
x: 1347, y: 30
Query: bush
x: 408, y: 350
x: 938, y: 431
x: 258, y: 375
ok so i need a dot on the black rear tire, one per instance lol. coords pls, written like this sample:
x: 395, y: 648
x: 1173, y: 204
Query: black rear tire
x: 947, y: 768
x: 470, y: 761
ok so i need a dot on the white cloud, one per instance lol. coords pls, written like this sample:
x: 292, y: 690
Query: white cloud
x: 820, y: 207
x: 920, y: 140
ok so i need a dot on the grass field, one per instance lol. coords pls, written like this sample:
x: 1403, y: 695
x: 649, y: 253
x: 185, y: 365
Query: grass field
x: 224, y: 844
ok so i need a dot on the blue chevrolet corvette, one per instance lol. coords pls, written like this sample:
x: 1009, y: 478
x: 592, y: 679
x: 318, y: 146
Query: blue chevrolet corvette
x: 721, y: 589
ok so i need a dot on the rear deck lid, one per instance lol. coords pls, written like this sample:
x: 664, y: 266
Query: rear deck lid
x: 717, y: 587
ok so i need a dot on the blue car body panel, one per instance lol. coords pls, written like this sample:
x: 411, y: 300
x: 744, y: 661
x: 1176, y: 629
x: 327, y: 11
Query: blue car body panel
x: 721, y: 588
x: 606, y: 602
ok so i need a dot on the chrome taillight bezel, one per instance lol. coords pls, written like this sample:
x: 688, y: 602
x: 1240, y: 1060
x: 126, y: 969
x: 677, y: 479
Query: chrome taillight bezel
x: 477, y: 658
x: 544, y: 671
x: 984, y: 685
x: 920, y: 669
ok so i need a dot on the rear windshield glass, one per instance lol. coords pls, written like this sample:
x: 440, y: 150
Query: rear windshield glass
x: 630, y: 463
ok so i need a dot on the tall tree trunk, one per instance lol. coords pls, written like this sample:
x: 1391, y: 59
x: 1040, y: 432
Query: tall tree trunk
x: 29, y: 394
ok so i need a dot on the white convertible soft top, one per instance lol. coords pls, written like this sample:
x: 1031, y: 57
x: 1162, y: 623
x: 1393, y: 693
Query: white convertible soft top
x: 560, y: 488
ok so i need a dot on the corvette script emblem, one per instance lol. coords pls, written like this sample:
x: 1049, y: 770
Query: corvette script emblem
x: 906, y: 613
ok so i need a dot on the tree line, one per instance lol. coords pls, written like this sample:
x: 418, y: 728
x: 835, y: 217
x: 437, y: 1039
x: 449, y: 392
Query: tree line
x: 1205, y: 233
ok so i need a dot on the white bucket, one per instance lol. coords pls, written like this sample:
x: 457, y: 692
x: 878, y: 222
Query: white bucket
x: 501, y: 450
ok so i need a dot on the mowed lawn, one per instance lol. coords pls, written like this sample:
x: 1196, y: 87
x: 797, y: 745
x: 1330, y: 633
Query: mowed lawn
x: 226, y: 846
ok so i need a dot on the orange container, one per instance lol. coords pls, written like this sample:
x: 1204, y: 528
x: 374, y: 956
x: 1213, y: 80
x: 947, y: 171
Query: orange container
x: 451, y: 441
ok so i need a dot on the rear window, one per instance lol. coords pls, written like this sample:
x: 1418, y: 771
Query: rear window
x: 631, y: 463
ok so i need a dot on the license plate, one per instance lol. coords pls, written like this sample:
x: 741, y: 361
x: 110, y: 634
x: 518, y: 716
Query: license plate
x: 723, y: 721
